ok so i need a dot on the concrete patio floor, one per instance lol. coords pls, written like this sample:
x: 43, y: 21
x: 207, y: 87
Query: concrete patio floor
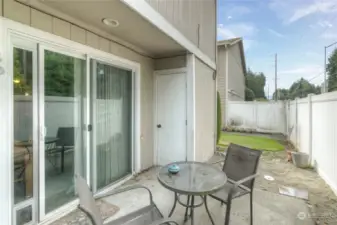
x: 269, y: 208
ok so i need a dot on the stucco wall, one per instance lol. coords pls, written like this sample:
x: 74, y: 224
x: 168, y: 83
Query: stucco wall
x: 204, y: 111
x: 236, y: 78
x: 221, y: 80
x: 26, y: 15
x: 195, y: 19
x: 170, y: 63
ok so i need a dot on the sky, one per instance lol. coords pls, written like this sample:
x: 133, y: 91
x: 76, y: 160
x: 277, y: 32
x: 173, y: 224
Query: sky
x: 297, y: 30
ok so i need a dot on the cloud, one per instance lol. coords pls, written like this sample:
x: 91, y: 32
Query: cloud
x: 292, y: 11
x: 315, y: 7
x: 277, y: 34
x: 237, y: 30
x: 225, y: 33
x: 312, y: 54
x: 239, y: 10
x: 304, y: 71
x: 324, y: 24
x: 245, y: 30
x: 329, y: 35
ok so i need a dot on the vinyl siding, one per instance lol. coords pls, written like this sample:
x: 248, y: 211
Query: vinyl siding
x: 194, y: 18
x: 204, y: 111
x: 221, y: 81
x: 170, y: 63
x: 236, y: 78
x: 26, y: 15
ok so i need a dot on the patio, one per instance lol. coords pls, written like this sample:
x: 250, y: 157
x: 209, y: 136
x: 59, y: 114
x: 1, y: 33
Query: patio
x: 269, y: 207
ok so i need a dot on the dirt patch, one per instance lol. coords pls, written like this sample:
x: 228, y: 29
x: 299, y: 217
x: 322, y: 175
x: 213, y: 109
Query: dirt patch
x: 322, y: 201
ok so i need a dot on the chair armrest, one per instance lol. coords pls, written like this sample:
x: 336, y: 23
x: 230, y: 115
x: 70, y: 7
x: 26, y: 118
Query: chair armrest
x: 239, y: 182
x: 164, y: 221
x: 125, y: 189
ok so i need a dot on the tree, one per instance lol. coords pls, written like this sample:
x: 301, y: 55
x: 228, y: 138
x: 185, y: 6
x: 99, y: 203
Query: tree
x: 256, y: 83
x: 302, y: 88
x: 58, y: 73
x: 249, y: 95
x: 282, y: 94
x: 332, y: 71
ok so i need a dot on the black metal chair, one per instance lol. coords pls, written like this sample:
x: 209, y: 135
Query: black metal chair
x: 240, y: 166
x: 65, y: 142
x: 148, y: 215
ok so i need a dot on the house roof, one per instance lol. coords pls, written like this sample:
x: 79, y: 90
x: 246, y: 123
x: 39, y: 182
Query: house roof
x: 233, y: 41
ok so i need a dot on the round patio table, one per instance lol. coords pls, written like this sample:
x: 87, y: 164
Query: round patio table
x: 193, y: 179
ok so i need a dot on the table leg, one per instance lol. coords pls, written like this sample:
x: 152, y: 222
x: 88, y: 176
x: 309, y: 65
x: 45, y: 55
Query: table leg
x: 192, y: 210
x: 62, y: 159
x: 186, y: 211
x: 174, y: 204
x: 209, y: 214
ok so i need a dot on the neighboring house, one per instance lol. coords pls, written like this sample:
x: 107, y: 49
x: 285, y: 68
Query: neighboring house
x: 231, y: 70
x: 104, y: 89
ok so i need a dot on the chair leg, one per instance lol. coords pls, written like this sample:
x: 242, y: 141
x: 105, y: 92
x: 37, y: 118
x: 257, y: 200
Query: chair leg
x: 174, y: 204
x: 228, y: 211
x: 251, y: 208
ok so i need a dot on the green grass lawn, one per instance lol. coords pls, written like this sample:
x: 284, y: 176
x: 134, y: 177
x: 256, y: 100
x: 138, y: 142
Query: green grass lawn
x: 250, y: 141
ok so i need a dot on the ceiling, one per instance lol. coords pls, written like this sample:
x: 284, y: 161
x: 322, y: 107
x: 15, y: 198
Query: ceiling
x: 132, y: 28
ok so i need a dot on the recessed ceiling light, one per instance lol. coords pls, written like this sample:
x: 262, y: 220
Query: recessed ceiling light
x: 110, y: 22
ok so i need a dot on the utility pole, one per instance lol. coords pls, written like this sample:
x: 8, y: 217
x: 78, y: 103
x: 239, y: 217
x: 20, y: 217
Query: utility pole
x: 276, y: 92
x: 325, y: 83
x: 268, y: 96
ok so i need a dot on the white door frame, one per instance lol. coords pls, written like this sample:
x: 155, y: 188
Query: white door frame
x: 155, y: 130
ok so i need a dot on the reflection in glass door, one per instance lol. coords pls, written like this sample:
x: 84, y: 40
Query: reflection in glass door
x: 112, y: 123
x: 62, y: 150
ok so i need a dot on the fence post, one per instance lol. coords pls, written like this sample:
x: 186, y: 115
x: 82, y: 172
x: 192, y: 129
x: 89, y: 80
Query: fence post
x: 310, y: 128
x: 255, y: 112
x: 296, y: 121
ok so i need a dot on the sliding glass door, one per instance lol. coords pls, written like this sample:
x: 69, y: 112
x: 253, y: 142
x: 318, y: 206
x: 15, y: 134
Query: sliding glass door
x: 112, y: 123
x: 62, y: 148
x: 71, y: 115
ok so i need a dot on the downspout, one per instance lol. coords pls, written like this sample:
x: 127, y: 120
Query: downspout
x: 216, y: 77
x: 226, y: 85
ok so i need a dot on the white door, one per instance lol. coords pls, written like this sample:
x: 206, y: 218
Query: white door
x: 171, y: 118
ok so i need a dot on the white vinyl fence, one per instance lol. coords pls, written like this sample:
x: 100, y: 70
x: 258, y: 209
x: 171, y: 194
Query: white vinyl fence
x: 312, y: 124
x: 260, y: 116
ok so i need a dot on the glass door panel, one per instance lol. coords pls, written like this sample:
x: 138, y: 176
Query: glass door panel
x: 25, y: 138
x: 112, y: 123
x: 64, y: 150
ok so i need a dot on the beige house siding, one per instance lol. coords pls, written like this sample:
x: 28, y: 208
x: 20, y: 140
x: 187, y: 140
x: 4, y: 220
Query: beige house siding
x: 170, y: 63
x: 195, y: 19
x: 24, y: 14
x: 236, y: 78
x: 204, y: 111
x: 221, y: 80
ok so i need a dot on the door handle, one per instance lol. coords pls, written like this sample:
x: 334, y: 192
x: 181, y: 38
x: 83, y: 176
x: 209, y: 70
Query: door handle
x: 159, y: 125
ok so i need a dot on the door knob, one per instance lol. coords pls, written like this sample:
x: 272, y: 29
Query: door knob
x: 159, y: 125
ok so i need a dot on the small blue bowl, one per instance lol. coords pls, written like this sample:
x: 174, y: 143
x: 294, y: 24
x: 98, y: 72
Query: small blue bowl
x: 174, y: 169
